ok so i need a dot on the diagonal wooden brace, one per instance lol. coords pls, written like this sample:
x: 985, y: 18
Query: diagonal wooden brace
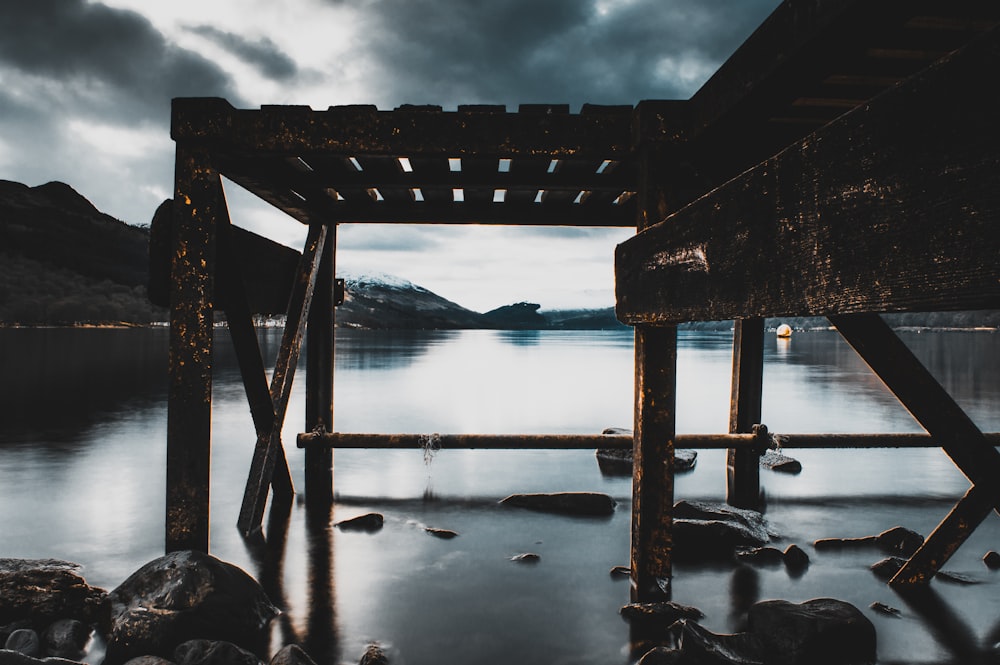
x: 240, y: 323
x: 931, y: 405
x: 269, y: 442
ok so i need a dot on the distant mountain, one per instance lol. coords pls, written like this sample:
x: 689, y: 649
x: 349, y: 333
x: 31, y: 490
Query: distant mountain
x: 63, y: 261
x: 387, y: 301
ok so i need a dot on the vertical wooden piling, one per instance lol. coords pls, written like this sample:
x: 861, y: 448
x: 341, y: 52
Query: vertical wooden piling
x: 319, y: 374
x: 653, y: 461
x: 743, y: 464
x: 198, y: 207
x: 656, y: 126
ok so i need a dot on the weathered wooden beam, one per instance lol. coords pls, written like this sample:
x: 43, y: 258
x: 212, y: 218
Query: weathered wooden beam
x: 743, y: 464
x: 893, y: 207
x: 364, y: 130
x: 308, y: 440
x: 931, y: 405
x: 268, y: 445
x: 198, y: 211
x: 319, y: 373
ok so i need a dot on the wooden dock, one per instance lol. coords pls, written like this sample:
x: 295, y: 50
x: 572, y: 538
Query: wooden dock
x: 843, y: 162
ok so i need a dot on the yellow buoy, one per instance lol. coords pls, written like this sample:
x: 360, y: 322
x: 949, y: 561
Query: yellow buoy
x: 784, y: 331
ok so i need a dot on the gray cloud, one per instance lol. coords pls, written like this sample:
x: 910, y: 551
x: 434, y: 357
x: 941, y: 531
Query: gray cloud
x: 92, y: 47
x: 560, y: 51
x: 262, y: 54
x: 388, y: 237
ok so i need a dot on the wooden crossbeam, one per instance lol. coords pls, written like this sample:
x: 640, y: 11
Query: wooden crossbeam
x: 931, y: 405
x: 269, y: 441
x: 600, y: 133
x: 892, y: 207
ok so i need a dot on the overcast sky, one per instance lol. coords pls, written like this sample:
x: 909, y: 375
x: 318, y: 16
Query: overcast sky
x: 85, y: 90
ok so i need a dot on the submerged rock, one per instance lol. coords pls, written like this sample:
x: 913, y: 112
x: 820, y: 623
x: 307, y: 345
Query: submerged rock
x: 374, y: 655
x: 66, y: 638
x: 213, y: 652
x: 369, y: 522
x: 899, y: 540
x: 822, y: 630
x: 620, y: 571
x: 446, y: 534
x: 889, y: 566
x: 775, y: 461
x: 527, y: 557
x: 44, y: 590
x: 992, y: 560
x: 593, y: 504
x: 699, y: 645
x: 705, y: 530
x: 26, y: 641
x: 184, y: 596
x: 882, y: 608
x: 618, y: 461
x: 765, y: 556
x: 833, y: 544
x: 667, y: 611
x: 292, y: 654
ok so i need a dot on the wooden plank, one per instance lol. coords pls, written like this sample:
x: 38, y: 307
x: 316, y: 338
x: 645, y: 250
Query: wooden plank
x: 931, y: 405
x: 363, y: 130
x: 198, y: 212
x: 320, y: 355
x: 653, y: 462
x: 891, y: 208
x: 743, y: 464
x: 268, y: 444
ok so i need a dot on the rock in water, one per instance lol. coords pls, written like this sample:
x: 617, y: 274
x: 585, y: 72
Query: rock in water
x: 527, y: 557
x: 705, y: 530
x: 66, y: 638
x: 899, y: 540
x: 370, y: 522
x: 211, y: 652
x: 992, y: 560
x: 292, y: 654
x: 445, y: 534
x: 26, y: 641
x: 775, y: 461
x: 618, y: 461
x: 183, y: 596
x: 818, y: 631
x: 701, y: 646
x: 373, y: 655
x: 44, y: 590
x: 569, y: 503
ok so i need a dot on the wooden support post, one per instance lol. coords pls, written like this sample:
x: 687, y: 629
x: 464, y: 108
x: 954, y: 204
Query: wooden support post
x: 929, y: 403
x: 743, y: 464
x: 198, y: 210
x: 269, y: 444
x: 319, y: 374
x: 653, y: 461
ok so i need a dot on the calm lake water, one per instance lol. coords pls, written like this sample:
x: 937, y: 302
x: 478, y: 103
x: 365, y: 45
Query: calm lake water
x: 82, y: 448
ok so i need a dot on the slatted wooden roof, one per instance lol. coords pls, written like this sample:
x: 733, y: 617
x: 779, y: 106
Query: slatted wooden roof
x: 807, y: 64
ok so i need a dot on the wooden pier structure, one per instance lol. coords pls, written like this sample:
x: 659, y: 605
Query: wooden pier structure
x: 845, y: 161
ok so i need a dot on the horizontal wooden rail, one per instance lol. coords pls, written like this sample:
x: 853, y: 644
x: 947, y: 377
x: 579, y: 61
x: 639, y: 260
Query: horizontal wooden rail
x: 594, y: 441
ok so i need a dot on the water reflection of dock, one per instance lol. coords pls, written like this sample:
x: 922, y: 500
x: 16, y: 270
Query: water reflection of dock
x: 793, y: 183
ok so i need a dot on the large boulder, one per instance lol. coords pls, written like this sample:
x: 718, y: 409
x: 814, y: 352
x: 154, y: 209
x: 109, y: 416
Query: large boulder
x: 570, y: 503
x: 183, y: 596
x: 43, y: 590
x: 705, y: 530
x: 822, y: 631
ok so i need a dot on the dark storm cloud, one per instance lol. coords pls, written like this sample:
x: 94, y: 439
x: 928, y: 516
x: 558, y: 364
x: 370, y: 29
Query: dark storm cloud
x: 93, y: 48
x: 558, y: 51
x: 263, y: 54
